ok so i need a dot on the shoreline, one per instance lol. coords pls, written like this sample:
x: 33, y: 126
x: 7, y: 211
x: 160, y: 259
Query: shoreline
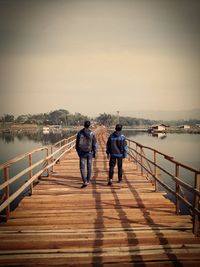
x: 12, y: 128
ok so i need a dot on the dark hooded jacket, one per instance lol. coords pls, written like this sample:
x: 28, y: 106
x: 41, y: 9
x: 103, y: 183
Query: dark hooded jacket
x: 90, y: 135
x: 116, y: 145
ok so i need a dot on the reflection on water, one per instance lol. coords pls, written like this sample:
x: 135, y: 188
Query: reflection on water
x: 132, y: 134
x: 7, y: 137
x: 19, y: 142
x: 36, y: 136
x: 159, y: 135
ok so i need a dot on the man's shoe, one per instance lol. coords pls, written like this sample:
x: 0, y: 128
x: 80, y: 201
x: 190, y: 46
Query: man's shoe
x: 120, y: 181
x: 84, y: 184
x: 110, y: 182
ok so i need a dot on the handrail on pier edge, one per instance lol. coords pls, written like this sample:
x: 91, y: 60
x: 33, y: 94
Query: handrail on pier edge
x: 53, y: 154
x: 151, y: 166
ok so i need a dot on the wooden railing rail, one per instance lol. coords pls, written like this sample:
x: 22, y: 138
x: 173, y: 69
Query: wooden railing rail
x: 18, y: 158
x: 71, y: 138
x: 170, y: 158
x: 53, y: 154
x: 139, y: 157
x: 142, y: 155
x: 20, y: 174
x: 176, y: 179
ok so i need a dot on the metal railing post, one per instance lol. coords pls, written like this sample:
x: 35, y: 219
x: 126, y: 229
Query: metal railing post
x: 52, y: 158
x: 196, y: 222
x: 47, y: 154
x: 155, y: 170
x: 129, y: 145
x: 177, y: 189
x: 30, y: 173
x: 141, y: 160
x: 6, y: 172
x: 136, y: 156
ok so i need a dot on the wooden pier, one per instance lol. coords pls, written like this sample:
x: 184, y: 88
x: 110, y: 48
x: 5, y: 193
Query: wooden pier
x: 128, y: 224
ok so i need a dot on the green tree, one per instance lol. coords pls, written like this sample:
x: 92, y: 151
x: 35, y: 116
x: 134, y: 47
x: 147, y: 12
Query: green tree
x: 58, y: 116
x: 8, y: 118
x: 78, y: 119
x: 106, y: 119
x: 22, y: 118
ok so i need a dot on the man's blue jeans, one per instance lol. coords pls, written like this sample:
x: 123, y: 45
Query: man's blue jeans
x: 83, y: 159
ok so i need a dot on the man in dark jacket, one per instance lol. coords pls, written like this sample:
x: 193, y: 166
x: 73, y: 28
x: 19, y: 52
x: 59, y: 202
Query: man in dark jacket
x: 86, y: 147
x: 116, y: 150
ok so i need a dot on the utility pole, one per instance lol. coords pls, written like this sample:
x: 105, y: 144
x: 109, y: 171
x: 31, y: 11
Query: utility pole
x: 117, y: 116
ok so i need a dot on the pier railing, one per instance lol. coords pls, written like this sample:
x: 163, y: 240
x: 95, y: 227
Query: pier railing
x: 151, y: 162
x: 185, y: 190
x: 44, y: 159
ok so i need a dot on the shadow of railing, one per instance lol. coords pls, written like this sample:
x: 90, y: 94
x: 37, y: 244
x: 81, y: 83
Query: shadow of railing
x: 127, y: 228
x: 98, y: 240
x: 152, y: 224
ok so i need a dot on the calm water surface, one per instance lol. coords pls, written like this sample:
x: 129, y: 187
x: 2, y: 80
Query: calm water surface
x: 183, y: 147
x: 15, y: 144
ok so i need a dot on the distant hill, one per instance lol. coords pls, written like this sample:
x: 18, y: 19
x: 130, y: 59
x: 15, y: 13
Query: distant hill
x: 163, y: 115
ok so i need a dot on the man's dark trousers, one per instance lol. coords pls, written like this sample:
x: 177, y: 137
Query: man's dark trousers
x: 112, y: 164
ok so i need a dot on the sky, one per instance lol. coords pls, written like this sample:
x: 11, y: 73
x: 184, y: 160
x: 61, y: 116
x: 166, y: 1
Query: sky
x: 96, y: 56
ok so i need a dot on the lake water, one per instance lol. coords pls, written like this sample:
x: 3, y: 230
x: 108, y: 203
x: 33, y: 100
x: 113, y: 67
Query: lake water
x: 184, y: 148
x: 15, y: 144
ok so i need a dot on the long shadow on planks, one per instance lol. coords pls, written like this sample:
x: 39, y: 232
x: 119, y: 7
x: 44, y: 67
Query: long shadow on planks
x: 162, y: 239
x: 98, y: 241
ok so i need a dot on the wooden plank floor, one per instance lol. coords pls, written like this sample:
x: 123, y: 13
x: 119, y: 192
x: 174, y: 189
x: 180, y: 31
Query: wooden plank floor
x: 123, y: 225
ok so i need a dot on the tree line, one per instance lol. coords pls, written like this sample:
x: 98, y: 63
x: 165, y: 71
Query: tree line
x: 58, y: 117
x: 65, y: 118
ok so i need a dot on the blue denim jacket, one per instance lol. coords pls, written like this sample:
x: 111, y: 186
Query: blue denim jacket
x: 116, y: 145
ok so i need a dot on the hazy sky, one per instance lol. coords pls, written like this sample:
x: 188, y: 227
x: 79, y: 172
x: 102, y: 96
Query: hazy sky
x: 95, y: 56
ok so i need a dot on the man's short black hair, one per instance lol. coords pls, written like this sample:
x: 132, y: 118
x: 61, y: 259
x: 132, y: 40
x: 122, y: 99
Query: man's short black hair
x: 87, y: 124
x: 118, y: 127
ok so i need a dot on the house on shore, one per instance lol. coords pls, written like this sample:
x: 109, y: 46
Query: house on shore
x: 184, y: 127
x: 46, y: 130
x: 158, y: 128
x: 52, y: 128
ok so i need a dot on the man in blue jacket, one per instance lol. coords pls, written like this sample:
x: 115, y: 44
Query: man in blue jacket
x: 86, y: 147
x: 116, y: 150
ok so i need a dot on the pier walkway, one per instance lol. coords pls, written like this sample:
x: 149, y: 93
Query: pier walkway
x: 126, y: 224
